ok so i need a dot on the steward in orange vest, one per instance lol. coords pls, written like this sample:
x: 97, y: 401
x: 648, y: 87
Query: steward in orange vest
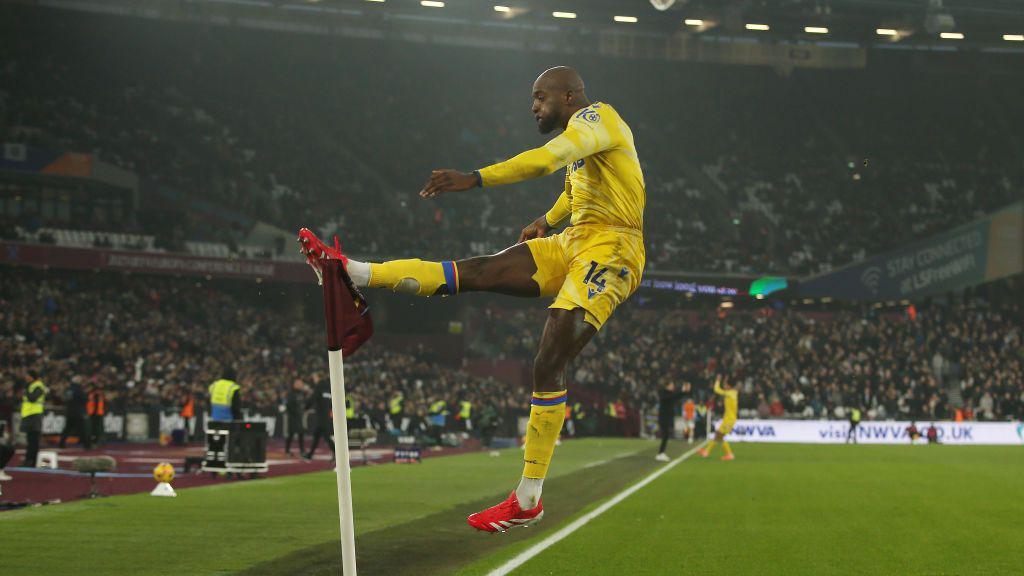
x: 188, y: 412
x: 96, y: 408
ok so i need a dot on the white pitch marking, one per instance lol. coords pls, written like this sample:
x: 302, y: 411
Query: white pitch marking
x: 526, y: 555
x: 607, y: 460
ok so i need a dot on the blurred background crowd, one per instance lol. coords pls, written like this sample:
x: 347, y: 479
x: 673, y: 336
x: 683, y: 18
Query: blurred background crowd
x: 747, y: 170
x: 151, y: 343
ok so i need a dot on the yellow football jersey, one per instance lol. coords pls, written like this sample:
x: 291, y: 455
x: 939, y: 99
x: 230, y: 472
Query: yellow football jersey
x: 732, y: 401
x: 603, y: 182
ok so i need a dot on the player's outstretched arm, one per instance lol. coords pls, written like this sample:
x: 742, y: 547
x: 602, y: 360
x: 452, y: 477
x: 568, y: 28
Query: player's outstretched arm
x: 530, y: 164
x: 579, y: 140
x: 448, y: 180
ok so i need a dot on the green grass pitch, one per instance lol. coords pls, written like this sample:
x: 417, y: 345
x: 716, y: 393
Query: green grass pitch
x: 777, y: 509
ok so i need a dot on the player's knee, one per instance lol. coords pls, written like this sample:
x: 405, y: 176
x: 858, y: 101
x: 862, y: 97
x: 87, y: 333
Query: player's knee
x: 469, y: 272
x: 547, y: 366
x: 480, y: 273
x: 543, y: 367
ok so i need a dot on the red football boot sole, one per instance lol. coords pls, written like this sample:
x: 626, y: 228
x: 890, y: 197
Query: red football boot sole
x: 315, y: 250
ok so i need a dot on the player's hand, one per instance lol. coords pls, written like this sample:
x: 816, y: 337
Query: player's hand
x: 448, y: 180
x: 537, y: 229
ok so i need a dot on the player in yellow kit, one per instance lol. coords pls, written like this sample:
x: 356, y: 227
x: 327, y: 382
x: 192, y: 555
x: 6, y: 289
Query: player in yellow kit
x: 731, y: 397
x: 589, y: 268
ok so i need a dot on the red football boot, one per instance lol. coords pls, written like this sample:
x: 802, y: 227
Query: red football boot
x: 314, y: 250
x: 506, y: 515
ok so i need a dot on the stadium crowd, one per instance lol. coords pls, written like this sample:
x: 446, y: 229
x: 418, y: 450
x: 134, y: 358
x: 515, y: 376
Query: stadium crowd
x: 723, y: 195
x: 150, y: 346
x: 912, y: 364
x: 151, y: 342
x: 807, y: 365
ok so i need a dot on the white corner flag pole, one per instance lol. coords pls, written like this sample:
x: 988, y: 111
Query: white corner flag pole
x: 343, y: 469
x: 335, y: 293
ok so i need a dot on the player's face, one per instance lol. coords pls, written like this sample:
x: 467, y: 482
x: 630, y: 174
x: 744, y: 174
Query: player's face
x: 546, y: 110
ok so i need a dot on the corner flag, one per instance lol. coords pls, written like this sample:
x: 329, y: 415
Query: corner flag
x: 348, y: 326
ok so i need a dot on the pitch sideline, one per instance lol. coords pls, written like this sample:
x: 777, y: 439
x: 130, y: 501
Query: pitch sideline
x: 526, y: 555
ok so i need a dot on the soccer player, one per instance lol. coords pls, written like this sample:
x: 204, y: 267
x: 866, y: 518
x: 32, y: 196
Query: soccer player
x: 732, y: 401
x: 589, y: 268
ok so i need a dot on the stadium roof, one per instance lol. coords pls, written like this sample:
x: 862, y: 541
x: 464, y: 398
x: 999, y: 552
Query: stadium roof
x: 940, y: 25
x: 981, y: 21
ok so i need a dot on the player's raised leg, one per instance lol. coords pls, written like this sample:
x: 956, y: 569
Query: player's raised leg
x: 508, y: 272
x: 565, y: 335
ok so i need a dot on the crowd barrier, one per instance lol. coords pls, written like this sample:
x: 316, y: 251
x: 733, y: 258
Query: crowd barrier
x: 874, y: 432
x: 141, y: 426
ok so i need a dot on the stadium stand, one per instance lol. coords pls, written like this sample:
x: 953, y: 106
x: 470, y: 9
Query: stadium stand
x: 152, y: 340
x: 269, y: 142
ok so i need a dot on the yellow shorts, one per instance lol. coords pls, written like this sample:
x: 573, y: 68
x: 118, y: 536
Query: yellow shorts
x: 726, y: 427
x: 589, y: 266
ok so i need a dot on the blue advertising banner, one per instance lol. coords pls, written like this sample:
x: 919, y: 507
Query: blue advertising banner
x: 962, y: 257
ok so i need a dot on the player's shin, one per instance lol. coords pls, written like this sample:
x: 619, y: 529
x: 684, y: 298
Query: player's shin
x: 414, y: 276
x: 547, y: 414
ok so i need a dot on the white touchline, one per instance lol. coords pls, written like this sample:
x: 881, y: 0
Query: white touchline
x: 607, y: 460
x: 525, y: 556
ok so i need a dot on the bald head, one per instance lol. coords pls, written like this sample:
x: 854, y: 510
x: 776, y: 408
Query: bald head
x: 560, y: 78
x: 557, y: 94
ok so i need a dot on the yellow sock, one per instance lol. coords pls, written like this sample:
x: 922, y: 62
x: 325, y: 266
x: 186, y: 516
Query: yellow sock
x: 710, y: 447
x: 725, y: 446
x: 416, y: 277
x: 547, y: 413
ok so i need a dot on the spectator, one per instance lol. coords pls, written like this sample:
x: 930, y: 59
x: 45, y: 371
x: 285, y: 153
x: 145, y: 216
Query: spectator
x: 6, y: 451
